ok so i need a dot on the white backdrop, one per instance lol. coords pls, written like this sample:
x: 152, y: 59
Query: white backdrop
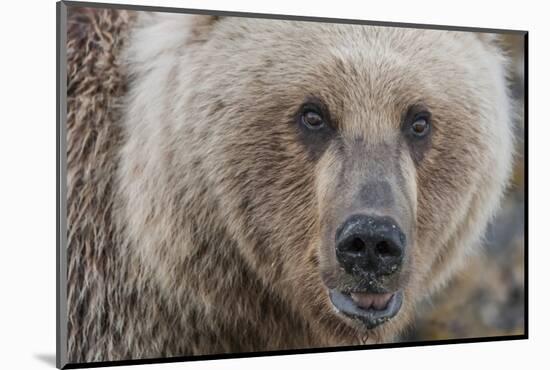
x: 27, y: 183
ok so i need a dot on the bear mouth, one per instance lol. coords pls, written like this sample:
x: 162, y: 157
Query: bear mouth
x: 370, y: 309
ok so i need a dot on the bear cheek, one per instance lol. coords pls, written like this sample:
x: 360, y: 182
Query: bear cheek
x: 448, y: 177
x: 327, y: 185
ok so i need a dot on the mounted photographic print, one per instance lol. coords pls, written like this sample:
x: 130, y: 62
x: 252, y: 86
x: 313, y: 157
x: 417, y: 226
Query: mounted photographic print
x: 236, y: 184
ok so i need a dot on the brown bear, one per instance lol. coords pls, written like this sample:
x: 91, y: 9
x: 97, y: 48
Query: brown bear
x: 239, y: 185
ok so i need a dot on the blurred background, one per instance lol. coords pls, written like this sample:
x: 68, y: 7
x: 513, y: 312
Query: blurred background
x: 487, y: 298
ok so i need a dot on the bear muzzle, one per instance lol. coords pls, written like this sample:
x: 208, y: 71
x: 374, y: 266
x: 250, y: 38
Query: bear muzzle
x: 370, y: 245
x: 370, y: 249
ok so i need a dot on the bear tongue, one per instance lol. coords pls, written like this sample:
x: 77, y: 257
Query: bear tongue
x: 369, y: 300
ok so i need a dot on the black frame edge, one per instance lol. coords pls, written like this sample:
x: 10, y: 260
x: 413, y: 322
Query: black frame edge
x: 57, y: 198
x: 61, y: 261
x: 526, y: 180
x: 290, y: 352
x: 163, y: 9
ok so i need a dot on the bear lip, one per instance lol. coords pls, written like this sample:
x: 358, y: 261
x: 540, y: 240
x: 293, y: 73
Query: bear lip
x: 370, y: 300
x: 370, y: 309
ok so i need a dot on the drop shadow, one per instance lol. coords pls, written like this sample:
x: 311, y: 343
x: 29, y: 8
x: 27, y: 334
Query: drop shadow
x: 47, y: 358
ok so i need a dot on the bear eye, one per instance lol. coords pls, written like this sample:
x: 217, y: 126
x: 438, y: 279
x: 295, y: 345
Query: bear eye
x: 312, y: 120
x: 416, y: 126
x: 419, y: 125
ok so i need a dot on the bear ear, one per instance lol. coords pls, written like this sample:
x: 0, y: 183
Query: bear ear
x: 492, y: 41
x: 201, y: 26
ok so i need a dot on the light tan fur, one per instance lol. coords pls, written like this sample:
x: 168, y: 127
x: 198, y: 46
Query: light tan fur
x: 215, y: 210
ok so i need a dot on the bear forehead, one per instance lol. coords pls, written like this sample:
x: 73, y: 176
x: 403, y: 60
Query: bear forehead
x: 360, y: 43
x: 377, y: 58
x: 379, y: 69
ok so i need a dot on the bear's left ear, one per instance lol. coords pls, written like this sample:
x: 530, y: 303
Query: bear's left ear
x: 201, y: 26
x: 493, y: 41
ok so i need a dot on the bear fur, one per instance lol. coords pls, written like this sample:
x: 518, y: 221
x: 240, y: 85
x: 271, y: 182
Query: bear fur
x: 194, y: 211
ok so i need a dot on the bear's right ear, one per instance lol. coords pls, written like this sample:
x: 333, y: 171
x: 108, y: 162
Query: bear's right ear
x: 201, y: 26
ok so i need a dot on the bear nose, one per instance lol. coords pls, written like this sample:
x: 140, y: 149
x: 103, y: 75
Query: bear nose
x: 367, y: 245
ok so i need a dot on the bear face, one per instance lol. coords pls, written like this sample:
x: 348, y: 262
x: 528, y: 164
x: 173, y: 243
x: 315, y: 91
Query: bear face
x: 351, y: 167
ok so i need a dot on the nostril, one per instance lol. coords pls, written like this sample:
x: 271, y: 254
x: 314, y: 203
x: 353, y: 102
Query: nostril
x: 356, y: 245
x: 382, y: 248
x: 386, y: 249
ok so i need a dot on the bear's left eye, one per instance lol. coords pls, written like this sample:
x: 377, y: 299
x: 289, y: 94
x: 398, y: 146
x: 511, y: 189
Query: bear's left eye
x: 420, y: 126
x: 417, y: 123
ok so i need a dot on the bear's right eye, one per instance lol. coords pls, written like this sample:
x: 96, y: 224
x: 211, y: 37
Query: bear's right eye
x: 313, y: 124
x: 312, y: 120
